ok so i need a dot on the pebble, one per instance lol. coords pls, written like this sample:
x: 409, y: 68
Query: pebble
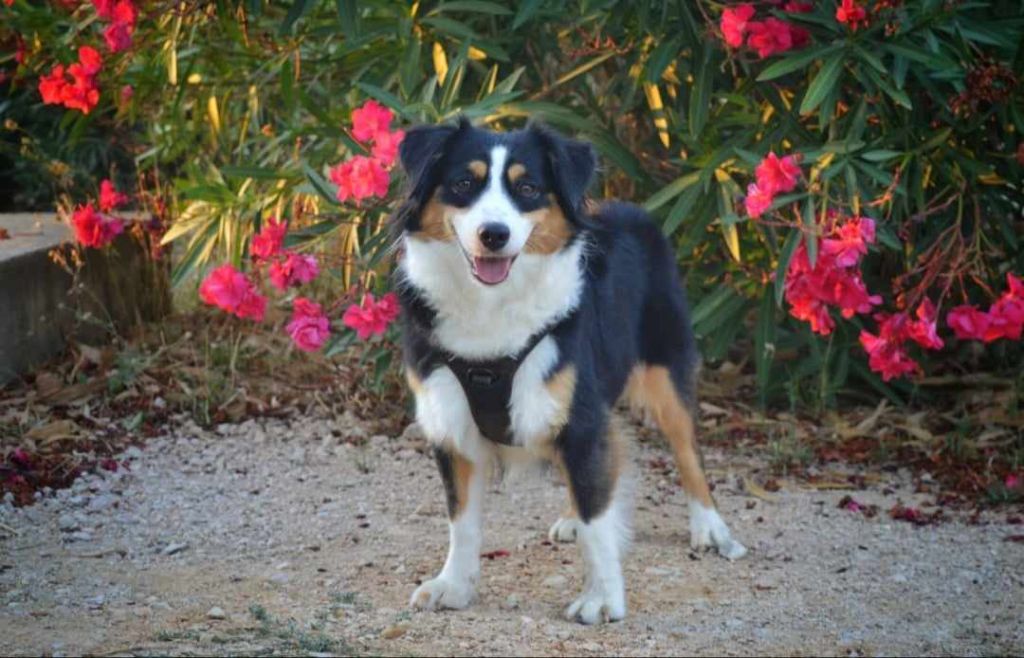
x: 68, y: 522
x: 102, y: 502
x: 392, y: 632
x: 557, y: 581
x: 173, y: 548
x: 216, y: 612
x: 511, y: 603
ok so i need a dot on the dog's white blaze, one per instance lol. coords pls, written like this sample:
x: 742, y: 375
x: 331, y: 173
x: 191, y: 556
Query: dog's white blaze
x: 603, y: 541
x: 455, y: 586
x: 477, y: 321
x: 493, y: 205
x: 707, y: 529
x: 532, y: 408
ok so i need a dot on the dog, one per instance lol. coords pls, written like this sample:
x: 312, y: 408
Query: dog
x: 528, y: 313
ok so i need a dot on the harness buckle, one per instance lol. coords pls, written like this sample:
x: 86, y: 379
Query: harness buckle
x: 481, y: 377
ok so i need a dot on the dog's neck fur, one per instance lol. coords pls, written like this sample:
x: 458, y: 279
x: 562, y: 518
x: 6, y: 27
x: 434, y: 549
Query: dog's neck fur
x: 475, y: 321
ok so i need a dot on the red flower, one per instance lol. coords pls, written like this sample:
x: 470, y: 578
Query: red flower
x: 90, y: 60
x: 371, y: 318
x: 769, y: 37
x: 734, y: 24
x: 370, y: 120
x: 92, y: 229
x: 8, y: 2
x: 887, y: 357
x: 268, y: 242
x: 231, y: 291
x: 118, y: 36
x: 104, y: 8
x: 851, y: 241
x: 110, y: 198
x: 309, y: 327
x: 79, y: 94
x: 385, y: 146
x: 757, y: 200
x: 852, y: 14
x: 968, y: 322
x: 923, y: 330
x: 51, y: 87
x: 1012, y: 481
x: 798, y: 7
x: 293, y: 270
x: 776, y: 175
x: 360, y: 178
x: 1006, y: 319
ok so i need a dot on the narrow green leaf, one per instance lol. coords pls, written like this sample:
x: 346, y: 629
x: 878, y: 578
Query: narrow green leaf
x: 526, y: 10
x: 794, y: 62
x: 700, y: 94
x: 670, y: 191
x: 322, y: 187
x: 823, y: 83
x: 786, y: 255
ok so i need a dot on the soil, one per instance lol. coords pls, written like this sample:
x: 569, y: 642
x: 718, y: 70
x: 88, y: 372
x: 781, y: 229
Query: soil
x: 281, y: 536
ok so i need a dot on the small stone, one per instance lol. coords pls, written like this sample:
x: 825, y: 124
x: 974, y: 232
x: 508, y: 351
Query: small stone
x: 102, y: 502
x: 216, y: 612
x: 510, y: 603
x: 557, y: 581
x: 80, y: 535
x: 96, y: 602
x: 392, y: 632
x: 279, y: 578
x: 67, y: 523
x: 174, y: 548
x: 134, y: 452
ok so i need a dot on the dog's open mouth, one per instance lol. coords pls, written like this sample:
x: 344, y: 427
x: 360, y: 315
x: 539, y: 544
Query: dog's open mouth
x: 491, y: 271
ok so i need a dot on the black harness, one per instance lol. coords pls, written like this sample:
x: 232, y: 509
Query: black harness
x: 487, y: 384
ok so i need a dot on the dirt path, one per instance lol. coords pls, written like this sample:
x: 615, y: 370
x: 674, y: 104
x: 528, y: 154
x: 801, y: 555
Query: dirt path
x: 308, y: 545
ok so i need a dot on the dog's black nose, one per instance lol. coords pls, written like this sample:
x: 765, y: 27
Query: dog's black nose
x: 494, y: 235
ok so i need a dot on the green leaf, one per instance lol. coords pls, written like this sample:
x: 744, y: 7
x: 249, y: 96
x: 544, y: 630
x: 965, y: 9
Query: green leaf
x: 348, y: 16
x: 764, y: 344
x: 472, y: 6
x: 297, y: 11
x: 681, y: 209
x: 387, y: 98
x: 670, y: 191
x: 786, y: 255
x: 322, y: 187
x: 823, y: 83
x: 246, y: 171
x: 526, y: 10
x: 791, y: 63
x: 700, y: 95
x: 880, y: 155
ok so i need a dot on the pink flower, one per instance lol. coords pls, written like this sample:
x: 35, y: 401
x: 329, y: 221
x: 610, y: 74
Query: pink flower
x: 777, y: 175
x: 968, y: 322
x: 360, y: 178
x: 93, y: 229
x: 104, y: 8
x: 757, y: 201
x: 1012, y: 481
x: 769, y: 37
x: 231, y: 291
x: 126, y: 93
x: 268, y: 242
x: 110, y: 198
x: 370, y: 120
x: 385, y: 146
x: 1006, y: 319
x: 734, y: 24
x: 887, y: 357
x: 851, y: 13
x: 309, y: 327
x: 923, y: 331
x: 798, y: 7
x: 850, y: 241
x: 371, y: 317
x: 293, y: 270
x: 118, y: 36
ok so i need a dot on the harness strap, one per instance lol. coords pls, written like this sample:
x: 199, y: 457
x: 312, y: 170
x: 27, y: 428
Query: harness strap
x: 488, y: 387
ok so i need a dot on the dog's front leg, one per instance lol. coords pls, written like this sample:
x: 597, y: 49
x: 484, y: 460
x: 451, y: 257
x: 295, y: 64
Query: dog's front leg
x: 593, y: 459
x: 464, y: 482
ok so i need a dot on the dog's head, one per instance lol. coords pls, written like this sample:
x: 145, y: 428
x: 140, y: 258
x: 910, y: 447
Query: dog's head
x: 494, y: 195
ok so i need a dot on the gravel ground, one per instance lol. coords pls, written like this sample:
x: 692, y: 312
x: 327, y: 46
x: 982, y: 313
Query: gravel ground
x: 280, y: 537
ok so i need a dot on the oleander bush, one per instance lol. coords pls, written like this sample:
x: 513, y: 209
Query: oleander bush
x: 841, y: 179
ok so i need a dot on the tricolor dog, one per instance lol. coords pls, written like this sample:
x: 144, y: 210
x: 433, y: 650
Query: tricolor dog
x: 528, y: 313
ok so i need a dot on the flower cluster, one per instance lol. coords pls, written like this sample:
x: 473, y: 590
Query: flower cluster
x: 774, y: 175
x: 95, y: 229
x: 122, y: 15
x: 887, y: 353
x: 80, y: 91
x: 834, y: 280
x: 362, y: 176
x: 309, y: 327
x: 767, y: 37
x: 287, y: 268
x: 852, y: 14
x: 372, y: 317
x: 1003, y: 319
x: 233, y: 292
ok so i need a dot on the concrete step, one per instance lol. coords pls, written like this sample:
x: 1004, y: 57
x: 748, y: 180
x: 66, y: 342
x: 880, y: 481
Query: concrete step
x: 46, y: 300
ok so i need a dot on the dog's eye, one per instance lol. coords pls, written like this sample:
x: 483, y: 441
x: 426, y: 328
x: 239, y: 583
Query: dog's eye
x: 462, y: 186
x: 528, y: 190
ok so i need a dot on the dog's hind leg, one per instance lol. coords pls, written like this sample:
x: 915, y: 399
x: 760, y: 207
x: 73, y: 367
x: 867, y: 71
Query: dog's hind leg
x: 675, y: 417
x: 464, y: 482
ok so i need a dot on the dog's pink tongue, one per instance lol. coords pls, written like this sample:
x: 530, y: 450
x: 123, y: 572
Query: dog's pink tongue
x: 492, y: 270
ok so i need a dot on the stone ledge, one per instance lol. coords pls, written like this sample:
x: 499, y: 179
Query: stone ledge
x: 43, y: 307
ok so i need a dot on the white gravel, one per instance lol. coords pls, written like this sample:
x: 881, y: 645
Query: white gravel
x: 273, y: 537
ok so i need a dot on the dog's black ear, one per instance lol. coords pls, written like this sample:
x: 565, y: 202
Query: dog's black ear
x: 573, y: 164
x: 420, y: 151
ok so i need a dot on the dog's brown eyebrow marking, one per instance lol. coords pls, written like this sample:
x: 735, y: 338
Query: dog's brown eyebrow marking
x: 515, y: 172
x: 478, y: 168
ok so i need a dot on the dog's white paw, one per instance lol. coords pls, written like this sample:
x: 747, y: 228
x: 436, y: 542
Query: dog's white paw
x: 707, y: 530
x: 443, y: 592
x: 564, y: 530
x: 598, y: 606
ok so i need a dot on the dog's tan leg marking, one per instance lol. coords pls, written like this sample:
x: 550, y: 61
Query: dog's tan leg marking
x: 653, y: 384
